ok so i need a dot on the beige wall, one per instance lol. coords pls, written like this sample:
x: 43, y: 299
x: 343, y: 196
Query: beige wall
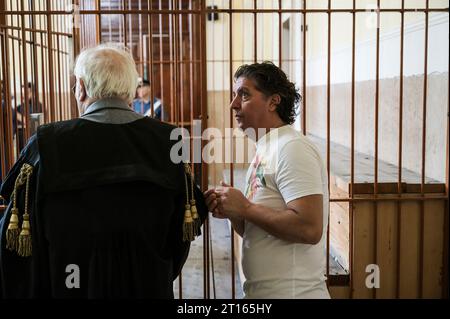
x: 267, y: 49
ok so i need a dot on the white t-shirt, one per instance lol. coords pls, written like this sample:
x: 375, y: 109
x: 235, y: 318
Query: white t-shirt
x: 287, y: 166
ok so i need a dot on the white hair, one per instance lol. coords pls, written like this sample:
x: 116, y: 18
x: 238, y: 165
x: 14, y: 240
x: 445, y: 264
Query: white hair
x: 107, y: 70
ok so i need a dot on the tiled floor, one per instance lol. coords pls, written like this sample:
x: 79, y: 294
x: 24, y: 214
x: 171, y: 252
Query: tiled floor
x: 220, y: 266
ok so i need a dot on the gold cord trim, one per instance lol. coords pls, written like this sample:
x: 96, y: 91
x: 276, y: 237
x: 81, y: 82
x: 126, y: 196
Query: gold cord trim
x: 17, y: 239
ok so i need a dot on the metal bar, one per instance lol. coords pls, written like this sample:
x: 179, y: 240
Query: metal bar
x: 58, y: 73
x: 43, y: 77
x: 50, y: 63
x: 233, y: 233
x: 181, y: 66
x: 98, y: 22
x: 255, y: 28
x: 9, y: 151
x: 3, y: 26
x: 140, y: 46
x: 424, y: 132
x: 13, y: 51
x: 3, y: 107
x: 124, y: 25
x: 38, y: 45
x: 389, y: 198
x: 328, y: 131
x: 377, y: 102
x: 110, y: 24
x: 280, y: 34
x: 149, y: 68
x: 173, y: 113
x: 161, y: 69
x: 25, y: 109
x: 446, y: 222
x: 352, y: 155
x: 304, y: 70
x: 34, y: 59
x: 199, y: 12
x: 150, y: 72
x: 191, y: 83
x: 204, y: 112
x: 130, y: 28
x: 400, y: 160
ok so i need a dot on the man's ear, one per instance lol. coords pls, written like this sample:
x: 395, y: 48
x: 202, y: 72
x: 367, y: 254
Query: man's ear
x: 83, y: 94
x: 275, y: 100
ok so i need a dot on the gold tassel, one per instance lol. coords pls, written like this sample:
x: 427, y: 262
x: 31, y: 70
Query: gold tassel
x: 12, y: 233
x: 192, y: 222
x: 195, y: 217
x: 24, y: 249
x: 188, y: 225
x: 17, y: 239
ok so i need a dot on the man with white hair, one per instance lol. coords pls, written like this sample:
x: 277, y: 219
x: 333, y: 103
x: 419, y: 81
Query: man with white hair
x: 96, y: 206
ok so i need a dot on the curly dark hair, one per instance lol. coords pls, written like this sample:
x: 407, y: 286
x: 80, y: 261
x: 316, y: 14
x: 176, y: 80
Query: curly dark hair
x: 270, y: 79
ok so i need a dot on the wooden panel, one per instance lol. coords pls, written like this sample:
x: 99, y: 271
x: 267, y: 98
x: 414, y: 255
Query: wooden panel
x: 433, y: 249
x: 339, y: 233
x: 363, y: 247
x: 409, y: 249
x: 339, y: 292
x: 387, y: 249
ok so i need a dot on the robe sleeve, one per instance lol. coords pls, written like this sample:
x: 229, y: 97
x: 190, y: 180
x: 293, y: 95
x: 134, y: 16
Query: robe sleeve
x: 16, y: 271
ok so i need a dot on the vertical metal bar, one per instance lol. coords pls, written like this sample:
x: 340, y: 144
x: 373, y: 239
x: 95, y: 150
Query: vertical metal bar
x: 3, y: 107
x: 175, y: 63
x: 204, y: 112
x: 109, y: 23
x: 424, y: 132
x: 140, y: 44
x: 255, y: 28
x: 304, y: 69
x: 446, y: 223
x: 352, y: 155
x: 50, y: 63
x: 377, y: 100
x: 25, y: 110
x: 34, y: 58
x: 172, y: 104
x: 58, y: 72
x: 150, y: 69
x: 400, y: 151
x: 43, y: 67
x: 182, y: 65
x: 161, y: 64
x: 76, y: 48
x: 328, y: 131
x: 98, y: 23
x: 130, y: 28
x: 280, y: 38
x: 124, y: 25
x: 9, y: 134
x: 13, y: 52
x: 233, y: 234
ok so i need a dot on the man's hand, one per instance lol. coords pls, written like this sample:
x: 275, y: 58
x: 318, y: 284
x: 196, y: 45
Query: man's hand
x: 220, y: 202
x: 231, y: 203
x: 211, y: 199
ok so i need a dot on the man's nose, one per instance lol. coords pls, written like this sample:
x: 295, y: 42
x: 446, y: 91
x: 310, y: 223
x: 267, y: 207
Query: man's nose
x: 235, y: 103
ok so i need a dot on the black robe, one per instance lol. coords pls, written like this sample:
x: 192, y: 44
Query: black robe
x: 107, y: 199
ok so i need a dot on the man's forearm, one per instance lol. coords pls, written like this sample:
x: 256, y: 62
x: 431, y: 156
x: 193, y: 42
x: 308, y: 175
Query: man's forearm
x: 238, y: 225
x: 284, y: 224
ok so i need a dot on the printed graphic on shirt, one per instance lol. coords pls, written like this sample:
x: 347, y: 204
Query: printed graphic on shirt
x: 256, y: 179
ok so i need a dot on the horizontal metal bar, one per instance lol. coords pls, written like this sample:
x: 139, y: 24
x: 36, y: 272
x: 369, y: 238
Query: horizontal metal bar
x: 198, y: 11
x: 2, y: 26
x: 389, y: 198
